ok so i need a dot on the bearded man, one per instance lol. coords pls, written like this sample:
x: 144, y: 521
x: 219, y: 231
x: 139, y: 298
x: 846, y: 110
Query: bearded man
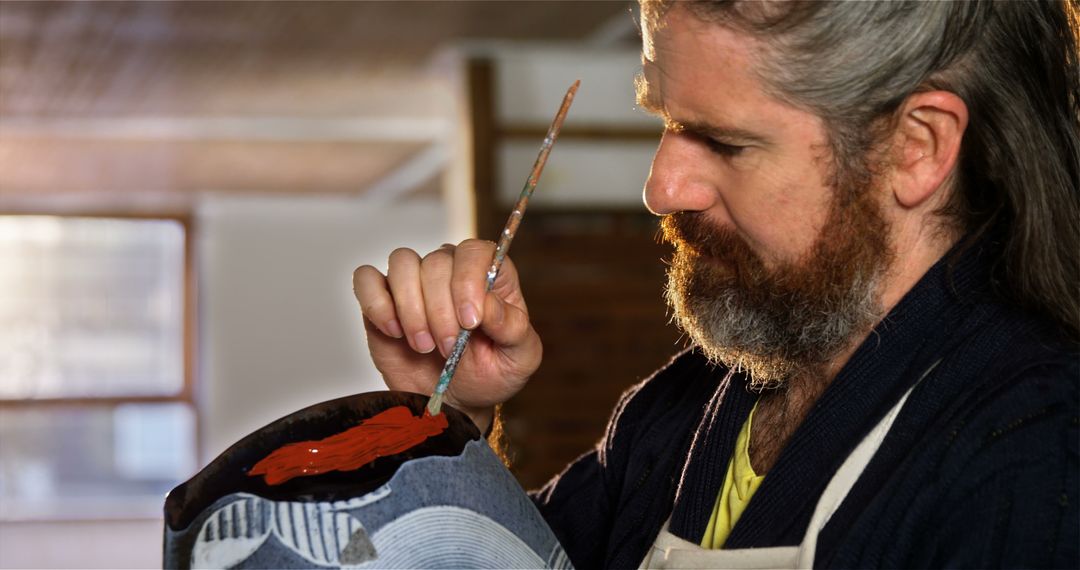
x: 875, y: 211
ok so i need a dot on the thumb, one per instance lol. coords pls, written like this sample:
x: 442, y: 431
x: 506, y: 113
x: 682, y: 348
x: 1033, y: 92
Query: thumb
x: 505, y: 324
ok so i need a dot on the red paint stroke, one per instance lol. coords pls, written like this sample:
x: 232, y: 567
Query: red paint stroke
x: 386, y: 433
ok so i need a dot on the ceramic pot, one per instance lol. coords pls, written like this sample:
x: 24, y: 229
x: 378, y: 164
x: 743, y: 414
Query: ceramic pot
x: 441, y: 499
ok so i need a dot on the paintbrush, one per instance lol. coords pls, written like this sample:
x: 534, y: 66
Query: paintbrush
x: 507, y: 236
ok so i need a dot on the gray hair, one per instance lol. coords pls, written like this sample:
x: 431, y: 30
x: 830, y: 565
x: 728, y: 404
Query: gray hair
x: 1014, y: 64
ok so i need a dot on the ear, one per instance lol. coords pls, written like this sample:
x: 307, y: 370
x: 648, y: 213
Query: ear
x: 926, y: 145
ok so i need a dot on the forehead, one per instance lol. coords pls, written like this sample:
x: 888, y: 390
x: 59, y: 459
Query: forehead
x: 691, y: 63
x: 695, y: 70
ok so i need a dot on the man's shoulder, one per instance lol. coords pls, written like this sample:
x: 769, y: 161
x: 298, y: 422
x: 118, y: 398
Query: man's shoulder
x: 984, y: 452
x: 1027, y: 380
x: 1007, y: 449
x: 674, y: 393
x: 1025, y: 348
x: 1023, y: 398
x: 687, y: 373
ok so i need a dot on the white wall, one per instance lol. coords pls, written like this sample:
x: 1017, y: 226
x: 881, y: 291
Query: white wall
x: 81, y: 544
x: 280, y: 328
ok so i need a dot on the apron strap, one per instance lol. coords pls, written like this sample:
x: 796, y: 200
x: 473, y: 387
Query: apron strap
x: 670, y: 551
x: 846, y: 476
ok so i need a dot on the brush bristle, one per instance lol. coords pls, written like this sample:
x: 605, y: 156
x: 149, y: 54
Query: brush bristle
x: 434, y: 405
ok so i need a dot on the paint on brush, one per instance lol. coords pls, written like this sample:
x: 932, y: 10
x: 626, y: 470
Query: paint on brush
x: 387, y: 433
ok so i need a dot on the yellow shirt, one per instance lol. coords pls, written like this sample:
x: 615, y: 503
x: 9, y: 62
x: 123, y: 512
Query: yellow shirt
x: 739, y: 485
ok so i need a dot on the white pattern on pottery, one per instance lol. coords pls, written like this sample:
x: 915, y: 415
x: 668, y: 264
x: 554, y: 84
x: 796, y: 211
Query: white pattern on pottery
x: 317, y: 532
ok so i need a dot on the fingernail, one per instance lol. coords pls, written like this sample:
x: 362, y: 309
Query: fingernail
x: 468, y: 316
x: 393, y: 328
x: 448, y: 345
x: 424, y: 342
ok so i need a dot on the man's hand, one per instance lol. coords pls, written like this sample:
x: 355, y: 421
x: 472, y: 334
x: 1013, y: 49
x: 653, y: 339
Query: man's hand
x: 413, y: 313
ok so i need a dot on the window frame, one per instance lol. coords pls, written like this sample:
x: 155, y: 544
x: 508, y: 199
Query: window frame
x: 189, y: 333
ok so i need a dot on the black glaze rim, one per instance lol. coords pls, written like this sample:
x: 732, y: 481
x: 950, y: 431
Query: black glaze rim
x: 228, y: 472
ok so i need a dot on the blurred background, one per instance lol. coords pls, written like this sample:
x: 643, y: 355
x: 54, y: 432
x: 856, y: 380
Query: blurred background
x: 186, y: 188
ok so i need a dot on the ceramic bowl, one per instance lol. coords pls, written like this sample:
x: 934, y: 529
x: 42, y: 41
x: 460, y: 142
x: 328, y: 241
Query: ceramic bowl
x: 445, y: 502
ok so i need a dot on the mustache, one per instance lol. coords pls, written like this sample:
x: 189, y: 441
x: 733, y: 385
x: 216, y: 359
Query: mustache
x: 692, y: 232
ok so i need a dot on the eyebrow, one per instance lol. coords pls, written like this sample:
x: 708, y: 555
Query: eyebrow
x: 648, y: 101
x: 644, y: 96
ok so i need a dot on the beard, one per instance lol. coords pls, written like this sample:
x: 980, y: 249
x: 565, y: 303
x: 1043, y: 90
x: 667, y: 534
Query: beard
x: 791, y: 319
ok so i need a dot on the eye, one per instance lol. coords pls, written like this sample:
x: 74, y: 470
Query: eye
x: 724, y: 149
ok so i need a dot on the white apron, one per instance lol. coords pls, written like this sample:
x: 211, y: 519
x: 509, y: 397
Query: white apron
x: 670, y: 551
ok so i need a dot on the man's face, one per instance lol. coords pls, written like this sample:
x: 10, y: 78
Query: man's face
x: 778, y: 253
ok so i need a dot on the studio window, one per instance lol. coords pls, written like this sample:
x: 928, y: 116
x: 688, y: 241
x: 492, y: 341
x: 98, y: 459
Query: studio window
x: 96, y: 401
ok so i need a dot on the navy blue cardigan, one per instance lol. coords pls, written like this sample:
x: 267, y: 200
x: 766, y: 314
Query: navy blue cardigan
x: 979, y: 470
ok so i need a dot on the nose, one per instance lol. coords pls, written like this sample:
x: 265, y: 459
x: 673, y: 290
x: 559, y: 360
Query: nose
x: 677, y: 181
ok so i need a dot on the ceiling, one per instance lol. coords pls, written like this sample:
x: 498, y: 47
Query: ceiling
x: 169, y: 98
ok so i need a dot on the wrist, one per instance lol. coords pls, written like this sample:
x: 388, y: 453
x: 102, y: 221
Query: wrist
x: 484, y: 418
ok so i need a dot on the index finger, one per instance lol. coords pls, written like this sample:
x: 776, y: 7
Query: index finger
x: 468, y: 283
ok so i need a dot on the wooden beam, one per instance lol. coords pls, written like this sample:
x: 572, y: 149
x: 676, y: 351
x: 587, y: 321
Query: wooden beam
x: 259, y: 129
x: 480, y: 78
x: 602, y: 133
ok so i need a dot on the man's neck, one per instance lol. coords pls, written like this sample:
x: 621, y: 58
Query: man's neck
x: 781, y: 411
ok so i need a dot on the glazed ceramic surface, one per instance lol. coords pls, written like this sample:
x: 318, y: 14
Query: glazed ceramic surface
x: 447, y: 502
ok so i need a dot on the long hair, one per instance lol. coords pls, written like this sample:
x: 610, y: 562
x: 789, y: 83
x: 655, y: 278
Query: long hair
x: 1014, y: 64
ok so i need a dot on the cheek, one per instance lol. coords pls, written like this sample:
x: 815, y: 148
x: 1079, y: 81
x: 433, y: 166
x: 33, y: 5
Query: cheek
x: 805, y: 219
x: 780, y: 213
